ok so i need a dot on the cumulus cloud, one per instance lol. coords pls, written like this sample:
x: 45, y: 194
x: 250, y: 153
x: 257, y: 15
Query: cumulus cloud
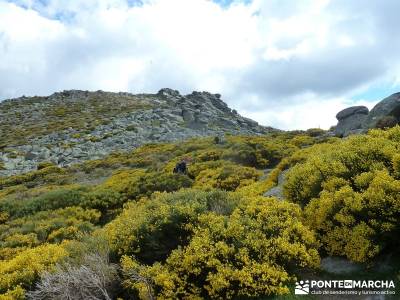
x: 286, y: 64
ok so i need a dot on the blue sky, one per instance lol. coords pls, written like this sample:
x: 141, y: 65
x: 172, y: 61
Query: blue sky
x: 288, y: 64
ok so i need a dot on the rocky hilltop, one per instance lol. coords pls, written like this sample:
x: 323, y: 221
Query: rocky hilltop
x: 72, y: 126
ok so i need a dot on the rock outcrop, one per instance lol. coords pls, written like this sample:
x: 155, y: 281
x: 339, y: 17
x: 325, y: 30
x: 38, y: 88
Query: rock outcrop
x: 351, y: 120
x: 73, y: 126
x: 357, y: 119
x: 388, y: 107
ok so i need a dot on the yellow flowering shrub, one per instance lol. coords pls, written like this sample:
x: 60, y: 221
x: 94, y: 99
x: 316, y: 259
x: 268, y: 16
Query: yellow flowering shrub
x: 358, y: 224
x: 133, y: 184
x: 227, y: 177
x: 258, y: 152
x: 182, y: 233
x: 47, y: 226
x: 50, y: 174
x: 17, y: 293
x: 152, y: 228
x: 26, y: 267
x: 249, y: 253
x: 345, y: 159
x: 350, y: 190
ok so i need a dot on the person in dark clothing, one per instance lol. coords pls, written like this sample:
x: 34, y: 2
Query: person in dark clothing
x: 181, y: 167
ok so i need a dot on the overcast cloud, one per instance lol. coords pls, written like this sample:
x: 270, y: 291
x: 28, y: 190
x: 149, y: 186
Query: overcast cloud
x: 288, y: 64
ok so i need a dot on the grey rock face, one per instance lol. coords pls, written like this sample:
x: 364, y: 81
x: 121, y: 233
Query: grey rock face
x: 357, y: 119
x: 351, y: 120
x: 166, y: 116
x: 389, y: 106
x: 347, y: 112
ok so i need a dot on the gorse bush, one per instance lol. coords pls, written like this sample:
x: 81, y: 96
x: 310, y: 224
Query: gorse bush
x: 151, y: 229
x: 102, y: 199
x: 255, y: 152
x: 351, y: 193
x: 48, y: 201
x: 247, y: 253
x: 358, y: 224
x: 48, y: 174
x: 210, y: 234
x: 345, y: 159
x: 133, y: 184
x: 227, y: 177
x: 25, y: 268
x: 46, y: 226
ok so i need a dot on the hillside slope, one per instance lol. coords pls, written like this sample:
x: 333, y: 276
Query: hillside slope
x: 73, y: 126
x: 255, y: 212
x: 149, y: 233
x: 61, y: 212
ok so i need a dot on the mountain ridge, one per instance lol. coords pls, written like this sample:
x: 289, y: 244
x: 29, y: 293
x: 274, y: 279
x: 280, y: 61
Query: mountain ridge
x: 73, y: 126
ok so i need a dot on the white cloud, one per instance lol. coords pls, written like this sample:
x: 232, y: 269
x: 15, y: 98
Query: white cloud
x: 308, y: 111
x: 286, y: 64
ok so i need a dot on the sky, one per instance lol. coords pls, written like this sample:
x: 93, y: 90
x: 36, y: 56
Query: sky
x: 284, y: 63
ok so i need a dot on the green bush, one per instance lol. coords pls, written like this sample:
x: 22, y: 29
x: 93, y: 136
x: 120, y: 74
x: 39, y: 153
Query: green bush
x: 102, y: 199
x: 134, y: 184
x: 249, y: 253
x: 46, y: 226
x: 48, y: 201
x: 227, y: 177
x: 350, y: 193
x: 49, y: 174
x: 151, y: 229
x: 344, y: 159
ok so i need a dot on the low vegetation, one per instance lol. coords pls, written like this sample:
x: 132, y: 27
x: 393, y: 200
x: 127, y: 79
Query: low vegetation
x: 128, y: 227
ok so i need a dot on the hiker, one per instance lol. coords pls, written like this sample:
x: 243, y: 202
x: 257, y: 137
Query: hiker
x: 181, y: 167
x: 219, y: 139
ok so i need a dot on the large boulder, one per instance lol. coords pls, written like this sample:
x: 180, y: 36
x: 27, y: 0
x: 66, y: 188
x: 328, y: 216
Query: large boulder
x: 351, y: 120
x: 387, y: 108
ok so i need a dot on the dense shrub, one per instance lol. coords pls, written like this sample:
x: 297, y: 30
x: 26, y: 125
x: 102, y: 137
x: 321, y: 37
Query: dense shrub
x: 45, y: 164
x: 350, y: 193
x: 227, y: 177
x: 151, y: 229
x: 26, y: 267
x: 358, y: 224
x: 255, y: 152
x: 52, y: 200
x: 134, y: 184
x: 314, y: 132
x: 248, y: 253
x: 46, y: 226
x: 344, y: 159
x: 48, y: 174
x: 189, y: 236
x: 102, y: 199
